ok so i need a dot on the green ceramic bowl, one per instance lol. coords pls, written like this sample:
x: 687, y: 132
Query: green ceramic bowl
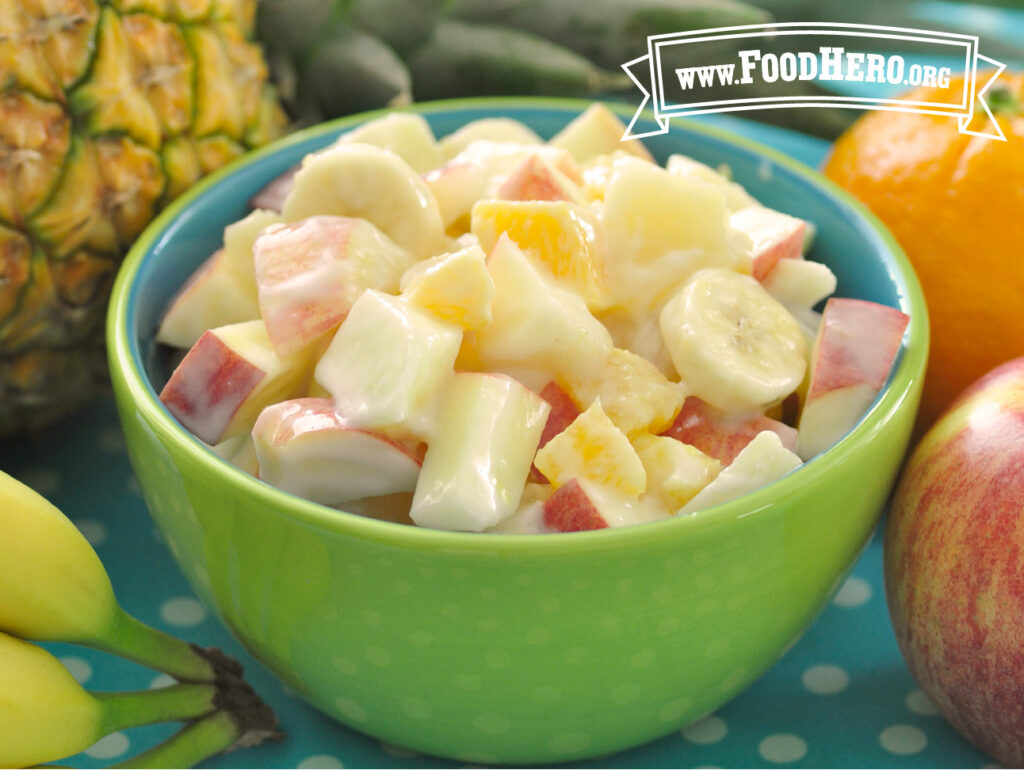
x: 514, y: 649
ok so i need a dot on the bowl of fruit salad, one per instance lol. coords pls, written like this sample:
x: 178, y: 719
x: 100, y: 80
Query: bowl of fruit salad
x: 502, y: 439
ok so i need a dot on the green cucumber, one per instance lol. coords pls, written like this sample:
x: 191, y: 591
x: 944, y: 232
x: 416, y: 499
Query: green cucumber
x: 352, y: 71
x: 608, y: 32
x: 463, y: 59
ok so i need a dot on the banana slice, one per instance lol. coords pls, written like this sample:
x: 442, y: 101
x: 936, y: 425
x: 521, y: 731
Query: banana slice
x: 360, y: 180
x: 734, y: 345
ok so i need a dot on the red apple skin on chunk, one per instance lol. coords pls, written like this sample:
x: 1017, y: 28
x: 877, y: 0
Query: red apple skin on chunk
x: 302, y: 293
x: 535, y: 180
x: 722, y: 435
x: 773, y: 236
x: 306, y: 447
x: 570, y: 509
x: 563, y: 412
x: 857, y: 342
x: 954, y: 563
x: 209, y: 386
x: 857, y: 345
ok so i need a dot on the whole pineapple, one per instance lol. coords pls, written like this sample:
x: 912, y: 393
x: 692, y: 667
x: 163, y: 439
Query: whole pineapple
x: 108, y: 110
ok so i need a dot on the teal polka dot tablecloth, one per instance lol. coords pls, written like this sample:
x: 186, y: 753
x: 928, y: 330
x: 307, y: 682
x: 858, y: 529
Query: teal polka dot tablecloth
x: 840, y: 697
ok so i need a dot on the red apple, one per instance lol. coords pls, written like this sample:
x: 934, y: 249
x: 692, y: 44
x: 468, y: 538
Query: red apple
x: 954, y: 563
x: 722, y: 435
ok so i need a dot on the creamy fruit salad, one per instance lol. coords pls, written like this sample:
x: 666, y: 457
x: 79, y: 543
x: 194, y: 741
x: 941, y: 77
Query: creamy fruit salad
x: 491, y: 332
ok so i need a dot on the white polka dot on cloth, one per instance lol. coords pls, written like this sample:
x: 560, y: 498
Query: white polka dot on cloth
x: 782, y: 748
x: 110, y: 746
x: 825, y: 679
x: 903, y: 739
x: 93, y: 531
x: 45, y: 481
x: 79, y: 668
x: 919, y: 703
x: 855, y: 592
x: 708, y: 730
x: 162, y: 680
x: 182, y: 611
x: 320, y: 761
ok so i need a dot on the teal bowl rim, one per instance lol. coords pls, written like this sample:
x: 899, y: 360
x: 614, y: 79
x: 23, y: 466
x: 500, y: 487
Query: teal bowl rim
x: 126, y: 365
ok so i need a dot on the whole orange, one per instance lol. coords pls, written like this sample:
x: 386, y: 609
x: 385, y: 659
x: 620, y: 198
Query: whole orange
x: 955, y: 202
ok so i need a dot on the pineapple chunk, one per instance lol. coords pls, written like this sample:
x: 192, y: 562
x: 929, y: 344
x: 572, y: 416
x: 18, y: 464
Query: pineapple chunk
x: 504, y: 130
x: 675, y: 471
x: 564, y: 237
x: 536, y: 324
x: 475, y: 469
x: 735, y: 196
x: 661, y: 228
x: 634, y: 393
x: 593, y: 448
x: 597, y: 131
x: 455, y: 287
x: 388, y: 363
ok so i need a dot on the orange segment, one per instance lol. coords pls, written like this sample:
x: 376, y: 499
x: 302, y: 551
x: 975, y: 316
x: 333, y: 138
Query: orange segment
x: 565, y: 237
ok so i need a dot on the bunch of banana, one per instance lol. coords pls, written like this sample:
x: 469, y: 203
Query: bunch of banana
x: 336, y: 57
x: 53, y: 588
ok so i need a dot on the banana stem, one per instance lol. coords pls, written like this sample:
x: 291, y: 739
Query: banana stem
x: 193, y: 743
x: 180, y: 702
x: 131, y: 638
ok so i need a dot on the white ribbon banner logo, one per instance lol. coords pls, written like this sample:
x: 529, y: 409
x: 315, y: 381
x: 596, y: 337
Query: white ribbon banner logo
x: 813, y: 52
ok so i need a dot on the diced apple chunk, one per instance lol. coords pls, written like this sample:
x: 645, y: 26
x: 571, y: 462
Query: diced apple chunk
x: 768, y: 236
x: 214, y: 296
x: 633, y: 392
x: 800, y: 283
x: 723, y: 435
x: 479, y: 171
x: 536, y: 324
x: 363, y: 181
x: 760, y: 462
x: 593, y: 448
x: 565, y: 238
x: 735, y: 196
x: 388, y: 363
x: 503, y: 130
x: 476, y: 466
x: 228, y: 377
x: 240, y: 452
x: 857, y: 343
x: 455, y: 287
x: 239, y: 239
x: 406, y: 134
x: 535, y: 179
x: 580, y: 505
x: 311, y: 272
x: 597, y: 131
x: 306, y: 447
x: 675, y: 471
